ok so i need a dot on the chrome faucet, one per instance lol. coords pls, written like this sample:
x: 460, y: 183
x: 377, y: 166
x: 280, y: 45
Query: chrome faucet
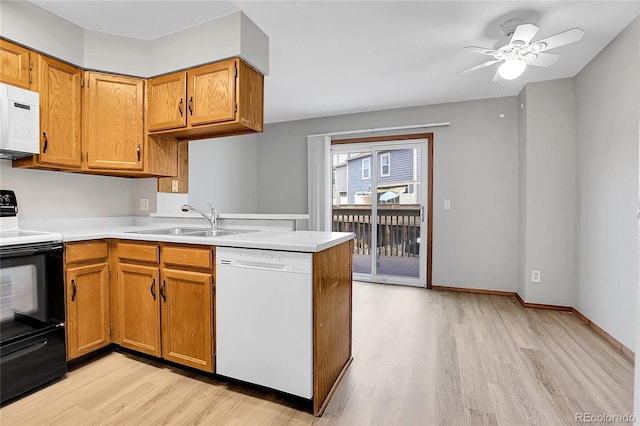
x: 212, y: 219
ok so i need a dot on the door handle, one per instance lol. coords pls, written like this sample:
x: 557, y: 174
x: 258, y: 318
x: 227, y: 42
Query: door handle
x: 153, y: 289
x: 162, y: 290
x: 74, y: 290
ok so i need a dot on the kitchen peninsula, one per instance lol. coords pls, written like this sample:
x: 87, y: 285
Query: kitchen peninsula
x: 154, y: 289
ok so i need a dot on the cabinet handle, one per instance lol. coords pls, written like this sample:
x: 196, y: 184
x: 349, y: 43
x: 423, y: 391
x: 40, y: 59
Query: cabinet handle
x: 74, y: 290
x: 162, y: 293
x: 138, y: 152
x: 180, y: 106
x: 189, y: 105
x: 153, y: 289
x: 46, y: 143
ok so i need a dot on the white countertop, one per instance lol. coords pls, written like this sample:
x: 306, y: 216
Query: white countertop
x: 256, y: 216
x: 300, y: 241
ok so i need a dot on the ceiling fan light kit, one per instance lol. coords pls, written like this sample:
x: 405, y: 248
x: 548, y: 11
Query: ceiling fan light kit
x: 519, y: 51
x: 512, y: 68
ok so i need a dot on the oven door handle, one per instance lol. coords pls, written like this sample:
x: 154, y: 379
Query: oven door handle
x: 24, y: 351
x: 29, y: 250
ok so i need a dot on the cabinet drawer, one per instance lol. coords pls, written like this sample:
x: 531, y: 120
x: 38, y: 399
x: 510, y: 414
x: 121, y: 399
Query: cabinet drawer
x: 188, y: 256
x: 81, y: 252
x: 139, y: 252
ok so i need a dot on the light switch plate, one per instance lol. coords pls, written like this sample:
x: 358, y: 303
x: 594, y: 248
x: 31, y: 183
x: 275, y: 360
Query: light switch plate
x: 174, y: 185
x: 144, y: 204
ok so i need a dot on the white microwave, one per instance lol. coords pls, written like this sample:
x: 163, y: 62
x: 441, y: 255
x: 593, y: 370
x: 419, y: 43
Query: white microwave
x: 19, y: 122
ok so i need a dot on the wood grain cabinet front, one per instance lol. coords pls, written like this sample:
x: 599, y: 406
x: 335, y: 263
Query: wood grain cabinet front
x: 218, y: 99
x: 16, y: 63
x: 87, y: 298
x: 187, y: 318
x: 166, y: 311
x: 140, y: 308
x: 114, y: 136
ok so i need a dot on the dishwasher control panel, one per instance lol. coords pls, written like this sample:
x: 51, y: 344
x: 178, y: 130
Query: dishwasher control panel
x: 265, y: 259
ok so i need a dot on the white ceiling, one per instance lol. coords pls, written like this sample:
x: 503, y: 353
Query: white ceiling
x: 337, y: 57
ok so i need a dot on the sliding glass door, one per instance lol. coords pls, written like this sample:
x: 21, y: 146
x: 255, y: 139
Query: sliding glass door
x: 380, y: 194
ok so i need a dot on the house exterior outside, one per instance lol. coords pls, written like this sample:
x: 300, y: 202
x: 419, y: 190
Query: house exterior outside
x: 399, y: 174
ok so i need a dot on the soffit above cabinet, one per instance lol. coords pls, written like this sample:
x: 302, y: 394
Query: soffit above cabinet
x: 227, y: 36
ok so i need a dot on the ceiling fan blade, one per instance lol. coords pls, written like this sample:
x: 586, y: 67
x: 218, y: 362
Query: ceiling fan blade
x: 543, y: 59
x: 481, y: 50
x: 524, y: 33
x: 560, y: 39
x: 477, y: 67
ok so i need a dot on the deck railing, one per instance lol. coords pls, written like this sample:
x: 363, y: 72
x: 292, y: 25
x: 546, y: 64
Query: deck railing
x: 398, y: 228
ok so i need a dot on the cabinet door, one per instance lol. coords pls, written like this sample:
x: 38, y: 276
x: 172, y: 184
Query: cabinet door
x: 187, y: 318
x: 140, y: 308
x: 114, y: 122
x: 166, y: 101
x: 87, y: 323
x: 211, y: 91
x: 60, y: 113
x: 15, y: 64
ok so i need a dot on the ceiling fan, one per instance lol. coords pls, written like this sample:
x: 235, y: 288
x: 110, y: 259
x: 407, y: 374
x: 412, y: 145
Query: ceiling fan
x: 519, y: 51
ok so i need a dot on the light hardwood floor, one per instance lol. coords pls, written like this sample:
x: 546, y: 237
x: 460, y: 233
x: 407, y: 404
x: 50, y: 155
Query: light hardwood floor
x: 420, y: 358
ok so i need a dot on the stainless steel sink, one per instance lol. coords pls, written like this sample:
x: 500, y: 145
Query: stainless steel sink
x: 193, y: 232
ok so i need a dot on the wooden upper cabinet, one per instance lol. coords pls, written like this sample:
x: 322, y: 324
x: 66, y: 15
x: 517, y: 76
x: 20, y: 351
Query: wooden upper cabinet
x: 59, y: 85
x: 211, y: 93
x: 166, y: 97
x: 114, y: 122
x: 223, y: 98
x: 15, y: 64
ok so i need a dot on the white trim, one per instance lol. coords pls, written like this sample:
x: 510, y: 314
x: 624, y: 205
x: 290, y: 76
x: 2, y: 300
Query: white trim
x: 385, y: 129
x: 368, y: 160
x: 388, y: 156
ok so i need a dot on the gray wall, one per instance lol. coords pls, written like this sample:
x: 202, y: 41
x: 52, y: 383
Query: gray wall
x: 548, y: 192
x: 223, y: 172
x: 475, y: 244
x: 51, y: 194
x: 234, y: 34
x: 607, y: 122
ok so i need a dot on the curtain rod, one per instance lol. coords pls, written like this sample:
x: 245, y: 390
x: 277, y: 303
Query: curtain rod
x: 384, y: 129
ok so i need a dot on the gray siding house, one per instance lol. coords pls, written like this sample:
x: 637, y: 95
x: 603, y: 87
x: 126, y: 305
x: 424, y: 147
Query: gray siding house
x: 398, y: 178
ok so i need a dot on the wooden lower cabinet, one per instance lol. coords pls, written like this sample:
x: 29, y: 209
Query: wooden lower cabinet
x: 187, y: 318
x: 87, y: 322
x: 165, y: 311
x: 140, y: 308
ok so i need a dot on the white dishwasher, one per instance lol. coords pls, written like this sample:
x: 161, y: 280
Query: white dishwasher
x: 264, y: 318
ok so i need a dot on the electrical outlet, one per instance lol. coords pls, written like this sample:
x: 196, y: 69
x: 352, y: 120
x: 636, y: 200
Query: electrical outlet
x: 535, y: 276
x: 144, y: 204
x: 174, y: 185
x: 447, y: 204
